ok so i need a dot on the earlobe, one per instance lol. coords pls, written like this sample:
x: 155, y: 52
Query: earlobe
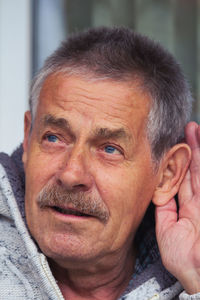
x: 27, y: 129
x: 171, y: 173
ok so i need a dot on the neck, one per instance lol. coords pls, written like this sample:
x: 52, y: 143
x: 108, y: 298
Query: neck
x: 103, y: 280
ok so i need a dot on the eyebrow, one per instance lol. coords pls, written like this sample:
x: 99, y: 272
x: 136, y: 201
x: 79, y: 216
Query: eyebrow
x: 58, y: 122
x: 50, y: 120
x: 107, y: 133
x: 98, y: 133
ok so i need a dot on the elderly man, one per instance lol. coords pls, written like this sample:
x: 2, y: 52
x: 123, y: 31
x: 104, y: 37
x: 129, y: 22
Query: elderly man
x: 102, y: 139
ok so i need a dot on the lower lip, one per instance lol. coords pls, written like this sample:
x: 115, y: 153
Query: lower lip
x: 68, y: 216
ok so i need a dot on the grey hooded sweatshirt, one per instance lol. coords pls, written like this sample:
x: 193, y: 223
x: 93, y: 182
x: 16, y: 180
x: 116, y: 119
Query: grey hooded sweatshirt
x: 24, y: 271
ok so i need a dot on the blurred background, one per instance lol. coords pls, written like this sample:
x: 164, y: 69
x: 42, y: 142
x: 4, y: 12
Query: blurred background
x: 31, y: 29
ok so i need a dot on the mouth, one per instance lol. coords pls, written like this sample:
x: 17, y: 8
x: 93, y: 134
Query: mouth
x: 69, y: 211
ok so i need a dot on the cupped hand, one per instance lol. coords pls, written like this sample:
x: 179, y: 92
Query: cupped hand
x: 178, y: 230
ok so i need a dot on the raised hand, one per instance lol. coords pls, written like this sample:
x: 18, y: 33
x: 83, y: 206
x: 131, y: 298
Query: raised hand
x: 178, y: 230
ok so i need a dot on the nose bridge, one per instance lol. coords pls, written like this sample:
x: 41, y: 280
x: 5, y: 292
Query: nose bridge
x: 75, y: 172
x: 76, y: 159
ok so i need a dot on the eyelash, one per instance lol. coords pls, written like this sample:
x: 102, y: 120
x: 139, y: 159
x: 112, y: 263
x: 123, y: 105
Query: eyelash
x: 117, y: 148
x: 47, y: 135
x: 113, y: 146
x: 50, y: 135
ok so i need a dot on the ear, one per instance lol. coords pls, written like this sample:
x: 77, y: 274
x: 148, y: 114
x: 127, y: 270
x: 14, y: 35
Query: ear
x: 171, y: 173
x: 27, y: 130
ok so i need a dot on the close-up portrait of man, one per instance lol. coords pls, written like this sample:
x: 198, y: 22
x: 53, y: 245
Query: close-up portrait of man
x: 101, y: 200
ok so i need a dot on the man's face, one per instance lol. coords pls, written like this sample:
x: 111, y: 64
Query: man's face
x: 88, y: 141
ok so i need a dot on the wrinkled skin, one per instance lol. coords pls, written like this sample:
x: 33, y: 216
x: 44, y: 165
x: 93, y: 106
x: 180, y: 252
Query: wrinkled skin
x: 91, y: 137
x: 94, y: 142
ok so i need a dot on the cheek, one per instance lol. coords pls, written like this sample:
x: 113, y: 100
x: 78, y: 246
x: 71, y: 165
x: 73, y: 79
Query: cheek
x: 127, y: 193
x: 41, y: 168
x: 113, y: 185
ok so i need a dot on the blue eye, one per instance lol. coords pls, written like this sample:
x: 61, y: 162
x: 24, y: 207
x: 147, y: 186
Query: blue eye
x: 110, y: 149
x: 52, y: 138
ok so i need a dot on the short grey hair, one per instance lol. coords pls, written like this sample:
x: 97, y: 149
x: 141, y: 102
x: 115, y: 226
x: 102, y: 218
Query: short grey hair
x: 122, y: 55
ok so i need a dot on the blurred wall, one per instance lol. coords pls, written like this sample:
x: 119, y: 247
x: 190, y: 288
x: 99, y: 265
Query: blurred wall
x: 29, y: 31
x: 15, y: 58
x: 48, y: 29
x: 173, y: 23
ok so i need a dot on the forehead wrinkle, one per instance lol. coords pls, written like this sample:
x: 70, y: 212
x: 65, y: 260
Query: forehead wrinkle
x: 84, y: 96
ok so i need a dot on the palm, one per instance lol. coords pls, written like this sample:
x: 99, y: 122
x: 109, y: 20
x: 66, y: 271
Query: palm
x: 178, y: 234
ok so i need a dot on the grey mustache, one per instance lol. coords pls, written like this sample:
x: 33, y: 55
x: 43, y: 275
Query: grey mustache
x: 55, y: 195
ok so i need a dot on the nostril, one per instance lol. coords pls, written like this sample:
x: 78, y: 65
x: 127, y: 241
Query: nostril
x: 59, y: 182
x: 80, y: 185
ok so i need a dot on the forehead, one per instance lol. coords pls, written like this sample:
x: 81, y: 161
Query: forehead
x: 109, y: 101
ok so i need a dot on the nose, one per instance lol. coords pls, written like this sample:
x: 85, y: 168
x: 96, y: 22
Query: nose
x: 74, y: 173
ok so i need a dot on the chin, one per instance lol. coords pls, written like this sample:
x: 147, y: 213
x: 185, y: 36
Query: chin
x: 66, y: 249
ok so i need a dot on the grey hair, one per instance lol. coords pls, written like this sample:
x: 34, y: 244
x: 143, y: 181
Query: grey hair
x: 122, y: 55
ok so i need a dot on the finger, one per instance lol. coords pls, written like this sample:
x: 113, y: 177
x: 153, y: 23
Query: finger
x: 185, y: 193
x: 165, y: 216
x: 192, y: 132
x: 198, y: 133
x: 191, y: 135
